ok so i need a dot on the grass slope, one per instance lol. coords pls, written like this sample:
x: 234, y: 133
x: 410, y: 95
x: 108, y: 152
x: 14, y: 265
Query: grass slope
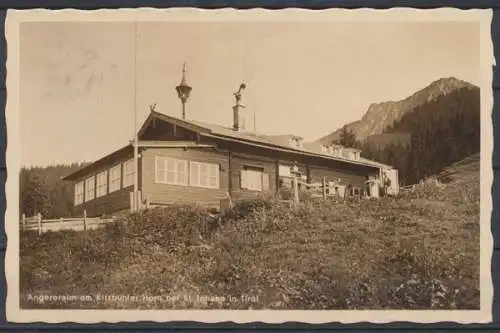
x: 417, y: 251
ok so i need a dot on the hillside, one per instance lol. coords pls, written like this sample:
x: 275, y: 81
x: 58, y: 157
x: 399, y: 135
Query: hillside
x: 457, y: 182
x: 464, y: 172
x: 380, y: 116
x: 417, y: 251
x: 383, y: 140
x: 440, y: 133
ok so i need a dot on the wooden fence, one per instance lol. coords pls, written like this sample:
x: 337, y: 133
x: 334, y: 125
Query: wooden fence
x: 37, y: 223
x: 320, y: 190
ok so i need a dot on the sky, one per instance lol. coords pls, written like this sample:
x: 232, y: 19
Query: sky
x: 80, y: 83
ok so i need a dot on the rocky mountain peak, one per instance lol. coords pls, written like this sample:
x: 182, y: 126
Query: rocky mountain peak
x: 379, y: 116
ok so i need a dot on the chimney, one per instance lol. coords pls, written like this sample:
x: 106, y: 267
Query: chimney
x: 239, y: 123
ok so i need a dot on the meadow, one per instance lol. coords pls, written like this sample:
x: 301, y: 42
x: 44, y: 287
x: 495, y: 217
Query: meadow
x: 419, y: 250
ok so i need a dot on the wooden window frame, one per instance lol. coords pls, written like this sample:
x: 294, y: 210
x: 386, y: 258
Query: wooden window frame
x: 165, y: 181
x: 263, y: 174
x: 100, y: 185
x: 79, y: 194
x: 89, y: 188
x: 200, y: 165
x: 112, y: 181
x: 287, y: 168
x: 128, y: 175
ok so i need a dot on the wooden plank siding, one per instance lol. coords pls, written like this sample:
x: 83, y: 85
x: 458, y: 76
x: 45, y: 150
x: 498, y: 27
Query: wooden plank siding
x: 231, y: 157
x: 107, y: 204
x: 162, y: 131
x: 241, y: 160
x: 164, y: 194
x: 110, y: 202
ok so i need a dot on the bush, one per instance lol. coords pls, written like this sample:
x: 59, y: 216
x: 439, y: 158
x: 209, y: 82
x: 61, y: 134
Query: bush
x: 286, y: 193
x: 243, y: 208
x: 397, y: 253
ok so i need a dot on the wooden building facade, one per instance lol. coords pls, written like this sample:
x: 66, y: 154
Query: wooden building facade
x: 185, y: 161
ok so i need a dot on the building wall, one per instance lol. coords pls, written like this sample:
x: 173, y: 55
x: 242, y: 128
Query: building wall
x: 356, y: 179
x: 313, y: 168
x: 232, y: 159
x: 110, y: 202
x: 230, y: 179
x: 162, y: 194
x: 241, y: 160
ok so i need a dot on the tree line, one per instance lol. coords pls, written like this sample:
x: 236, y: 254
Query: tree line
x: 43, y: 191
x: 442, y: 132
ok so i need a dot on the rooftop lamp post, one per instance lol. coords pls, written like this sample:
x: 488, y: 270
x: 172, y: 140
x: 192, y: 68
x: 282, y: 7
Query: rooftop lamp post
x: 183, y: 91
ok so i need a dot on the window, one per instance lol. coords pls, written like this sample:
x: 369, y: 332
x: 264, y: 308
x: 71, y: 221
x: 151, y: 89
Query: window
x: 324, y: 149
x: 90, y: 188
x: 128, y: 173
x: 204, y: 175
x: 254, y: 179
x: 285, y: 171
x: 115, y: 178
x: 78, y: 193
x: 171, y: 171
x: 102, y: 184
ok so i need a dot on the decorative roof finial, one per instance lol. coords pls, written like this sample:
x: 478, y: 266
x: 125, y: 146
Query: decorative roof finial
x: 183, y: 91
x: 183, y: 80
x: 152, y: 107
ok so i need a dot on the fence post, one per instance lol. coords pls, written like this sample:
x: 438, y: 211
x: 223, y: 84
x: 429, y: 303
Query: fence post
x: 295, y: 189
x: 324, y: 187
x: 84, y: 220
x: 23, y: 221
x: 132, y: 202
x: 39, y: 221
x: 138, y: 201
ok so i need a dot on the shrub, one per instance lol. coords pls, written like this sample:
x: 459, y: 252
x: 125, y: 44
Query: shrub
x: 398, y: 253
x: 286, y: 193
x: 243, y: 208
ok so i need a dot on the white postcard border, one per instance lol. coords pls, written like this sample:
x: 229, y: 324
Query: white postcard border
x: 15, y: 314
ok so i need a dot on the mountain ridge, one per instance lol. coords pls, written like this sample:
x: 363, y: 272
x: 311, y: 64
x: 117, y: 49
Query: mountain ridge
x: 381, y: 115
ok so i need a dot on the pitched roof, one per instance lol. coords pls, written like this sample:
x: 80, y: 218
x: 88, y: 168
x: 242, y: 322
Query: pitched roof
x: 219, y: 130
x: 278, y: 142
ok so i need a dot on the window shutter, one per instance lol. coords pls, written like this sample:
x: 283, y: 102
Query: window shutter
x: 265, y: 181
x: 182, y: 172
x: 159, y: 174
x: 204, y: 174
x: 77, y: 193
x: 217, y: 176
x: 243, y: 179
x: 195, y: 174
x: 214, y: 176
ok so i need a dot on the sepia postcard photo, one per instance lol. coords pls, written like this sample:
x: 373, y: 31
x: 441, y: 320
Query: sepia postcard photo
x: 249, y: 165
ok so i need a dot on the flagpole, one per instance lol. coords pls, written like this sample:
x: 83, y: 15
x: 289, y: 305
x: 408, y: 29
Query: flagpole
x: 136, y: 139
